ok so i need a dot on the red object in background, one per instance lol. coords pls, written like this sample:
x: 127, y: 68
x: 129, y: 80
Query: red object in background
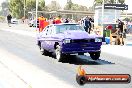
x: 109, y: 27
x: 57, y: 21
x: 53, y: 21
x: 45, y: 24
x: 42, y: 23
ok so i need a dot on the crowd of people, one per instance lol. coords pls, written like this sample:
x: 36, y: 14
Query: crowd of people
x: 85, y: 22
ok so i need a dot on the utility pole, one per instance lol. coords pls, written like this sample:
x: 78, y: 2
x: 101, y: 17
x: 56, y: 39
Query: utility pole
x: 24, y: 8
x: 103, y: 17
x: 116, y: 11
x: 36, y: 12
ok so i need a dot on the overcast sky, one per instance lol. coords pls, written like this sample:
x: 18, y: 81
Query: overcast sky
x: 83, y: 2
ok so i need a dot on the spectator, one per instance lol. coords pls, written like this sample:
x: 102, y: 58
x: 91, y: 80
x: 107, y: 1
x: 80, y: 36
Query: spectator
x: 58, y: 20
x: 66, y: 21
x: 82, y: 22
x: 120, y: 26
x: 90, y: 24
x: 53, y: 20
x: 9, y: 17
x: 23, y: 19
x: 50, y: 21
x: 86, y: 24
x: 42, y: 25
x: 71, y: 21
x: 121, y: 31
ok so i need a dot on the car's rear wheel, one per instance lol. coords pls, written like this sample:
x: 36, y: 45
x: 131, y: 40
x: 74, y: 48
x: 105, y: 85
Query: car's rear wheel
x: 43, y: 51
x: 59, y: 55
x: 95, y: 55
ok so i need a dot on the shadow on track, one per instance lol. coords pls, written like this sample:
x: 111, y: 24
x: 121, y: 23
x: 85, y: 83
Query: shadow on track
x: 84, y: 60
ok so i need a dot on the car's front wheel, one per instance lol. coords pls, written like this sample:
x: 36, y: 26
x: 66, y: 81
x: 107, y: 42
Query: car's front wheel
x: 59, y: 55
x: 80, y: 53
x: 95, y: 55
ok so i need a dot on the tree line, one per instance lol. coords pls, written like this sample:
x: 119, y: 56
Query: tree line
x: 16, y: 7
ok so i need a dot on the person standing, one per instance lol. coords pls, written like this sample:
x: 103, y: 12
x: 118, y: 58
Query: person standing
x: 41, y: 20
x: 86, y: 24
x: 58, y: 20
x: 9, y: 17
x: 50, y: 21
x: 90, y: 25
x: 82, y: 22
x: 121, y: 31
x: 66, y: 21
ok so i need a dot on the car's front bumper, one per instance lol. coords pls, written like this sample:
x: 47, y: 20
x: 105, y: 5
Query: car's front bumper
x: 81, y: 47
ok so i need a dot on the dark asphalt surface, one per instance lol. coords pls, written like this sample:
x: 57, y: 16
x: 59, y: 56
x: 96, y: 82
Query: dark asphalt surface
x: 26, y: 48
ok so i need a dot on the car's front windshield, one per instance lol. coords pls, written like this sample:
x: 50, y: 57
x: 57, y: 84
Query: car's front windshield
x: 65, y: 27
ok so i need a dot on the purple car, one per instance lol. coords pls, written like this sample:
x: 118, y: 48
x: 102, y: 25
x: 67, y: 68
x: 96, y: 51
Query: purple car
x: 68, y: 38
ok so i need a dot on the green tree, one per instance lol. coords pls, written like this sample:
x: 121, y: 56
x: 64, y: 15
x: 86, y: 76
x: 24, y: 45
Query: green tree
x: 53, y: 6
x: 16, y: 7
x: 121, y: 1
x: 30, y: 5
x: 69, y: 5
x: 42, y: 5
x: 75, y: 7
x: 99, y: 2
x: 127, y: 19
x: 4, y: 5
x: 4, y: 11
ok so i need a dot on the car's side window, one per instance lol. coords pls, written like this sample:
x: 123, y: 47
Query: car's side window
x: 46, y: 30
x: 52, y: 30
x: 49, y: 31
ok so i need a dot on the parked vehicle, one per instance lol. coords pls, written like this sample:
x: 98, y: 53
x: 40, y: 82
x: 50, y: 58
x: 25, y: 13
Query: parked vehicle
x: 14, y: 21
x: 32, y: 23
x: 68, y: 38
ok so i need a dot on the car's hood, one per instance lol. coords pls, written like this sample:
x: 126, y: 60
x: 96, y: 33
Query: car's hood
x: 71, y: 35
x: 78, y: 34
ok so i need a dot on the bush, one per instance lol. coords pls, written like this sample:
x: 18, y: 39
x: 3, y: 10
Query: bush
x: 2, y: 18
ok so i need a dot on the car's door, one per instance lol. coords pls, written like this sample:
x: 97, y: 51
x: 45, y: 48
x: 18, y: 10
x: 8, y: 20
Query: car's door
x: 45, y: 38
x: 52, y: 40
x: 48, y: 38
